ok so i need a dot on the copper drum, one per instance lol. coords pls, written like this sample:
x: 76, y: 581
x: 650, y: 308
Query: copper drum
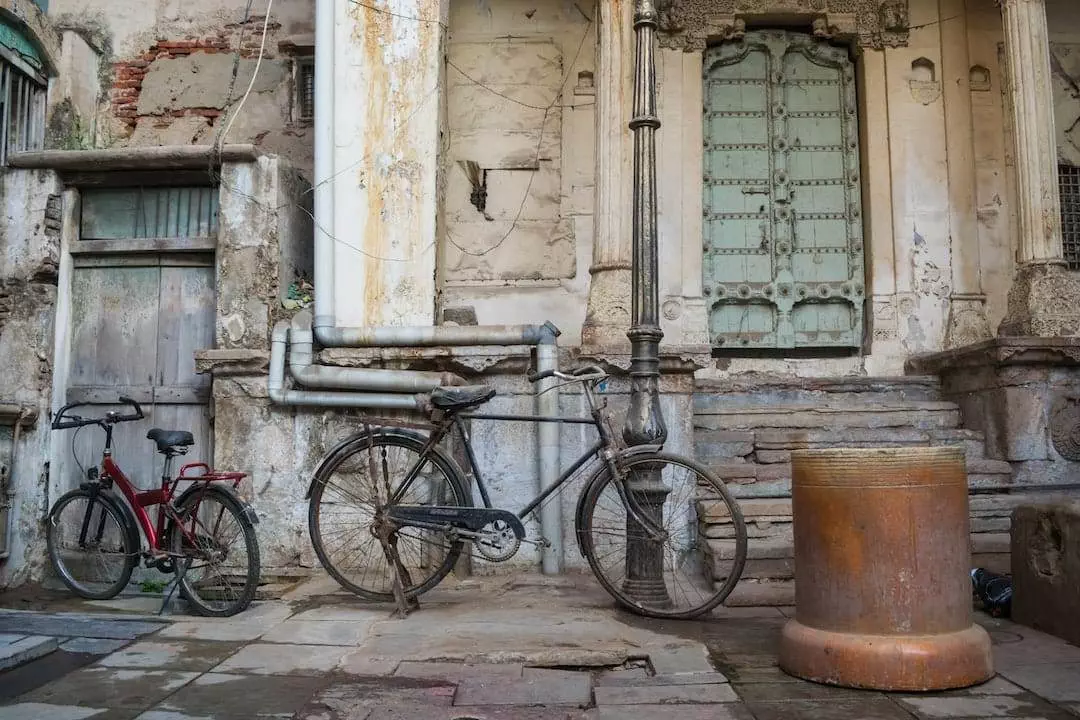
x: 882, y: 583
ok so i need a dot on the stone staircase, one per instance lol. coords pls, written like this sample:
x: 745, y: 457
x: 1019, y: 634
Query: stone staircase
x: 746, y: 428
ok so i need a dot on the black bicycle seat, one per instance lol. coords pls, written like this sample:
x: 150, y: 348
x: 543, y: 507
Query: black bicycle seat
x: 461, y: 397
x: 167, y: 439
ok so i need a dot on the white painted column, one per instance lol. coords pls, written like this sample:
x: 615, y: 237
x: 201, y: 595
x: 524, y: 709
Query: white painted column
x: 1027, y: 49
x: 608, y: 315
x: 386, y: 118
x: 1044, y: 300
x: 967, y: 303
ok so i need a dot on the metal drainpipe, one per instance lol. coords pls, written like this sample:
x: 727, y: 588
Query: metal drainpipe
x: 323, y: 398
x: 433, y: 336
x: 370, y: 379
x: 9, y: 486
x: 547, y: 438
x: 323, y: 201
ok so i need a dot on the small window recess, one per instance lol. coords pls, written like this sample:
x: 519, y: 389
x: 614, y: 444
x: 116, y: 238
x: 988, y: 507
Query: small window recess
x: 303, y: 105
x: 1069, y: 183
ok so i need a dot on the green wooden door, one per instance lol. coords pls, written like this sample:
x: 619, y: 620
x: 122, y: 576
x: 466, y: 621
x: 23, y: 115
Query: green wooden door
x: 783, y: 241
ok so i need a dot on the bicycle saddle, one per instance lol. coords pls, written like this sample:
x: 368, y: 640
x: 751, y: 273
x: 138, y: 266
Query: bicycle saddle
x: 461, y: 397
x: 167, y: 439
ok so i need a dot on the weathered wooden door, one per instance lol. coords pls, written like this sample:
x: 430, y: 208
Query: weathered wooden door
x: 783, y: 245
x: 143, y: 301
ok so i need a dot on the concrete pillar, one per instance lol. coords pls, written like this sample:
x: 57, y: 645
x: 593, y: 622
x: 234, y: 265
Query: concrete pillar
x: 608, y: 315
x: 1044, y: 300
x: 386, y: 138
x: 967, y: 304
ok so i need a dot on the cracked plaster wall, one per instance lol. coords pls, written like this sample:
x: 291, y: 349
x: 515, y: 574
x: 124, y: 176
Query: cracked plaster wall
x: 1065, y: 66
x: 164, y: 72
x: 29, y: 250
x: 523, y: 258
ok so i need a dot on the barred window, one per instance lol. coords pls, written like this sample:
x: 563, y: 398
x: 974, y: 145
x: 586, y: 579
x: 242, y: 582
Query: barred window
x: 1069, y: 180
x: 304, y: 82
x: 22, y: 110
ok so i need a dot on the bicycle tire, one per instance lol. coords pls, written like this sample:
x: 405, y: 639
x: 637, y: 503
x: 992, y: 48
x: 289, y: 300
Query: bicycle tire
x: 586, y: 515
x: 120, y: 516
x: 251, y: 545
x: 361, y: 444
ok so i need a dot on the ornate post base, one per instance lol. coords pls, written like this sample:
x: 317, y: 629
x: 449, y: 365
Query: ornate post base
x: 1044, y: 302
x: 645, y: 557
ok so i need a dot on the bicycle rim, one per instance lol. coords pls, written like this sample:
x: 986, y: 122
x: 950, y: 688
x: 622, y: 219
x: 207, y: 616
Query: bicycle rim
x: 219, y: 569
x: 101, y: 566
x: 683, y: 576
x: 343, y: 509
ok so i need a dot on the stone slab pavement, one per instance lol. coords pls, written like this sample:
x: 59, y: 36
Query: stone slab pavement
x: 518, y: 648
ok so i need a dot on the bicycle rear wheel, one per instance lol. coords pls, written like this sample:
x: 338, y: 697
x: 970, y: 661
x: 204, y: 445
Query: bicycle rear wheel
x: 90, y: 544
x: 215, y: 552
x: 347, y: 497
x: 683, y: 576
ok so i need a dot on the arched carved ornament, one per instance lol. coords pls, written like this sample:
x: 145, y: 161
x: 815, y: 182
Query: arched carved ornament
x: 691, y: 25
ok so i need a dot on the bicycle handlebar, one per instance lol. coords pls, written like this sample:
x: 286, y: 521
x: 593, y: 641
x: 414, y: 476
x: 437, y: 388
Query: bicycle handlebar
x: 65, y: 421
x: 583, y: 374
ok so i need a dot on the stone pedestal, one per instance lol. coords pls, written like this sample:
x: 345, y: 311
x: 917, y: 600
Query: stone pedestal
x: 1024, y: 394
x: 1046, y: 568
x: 1044, y: 301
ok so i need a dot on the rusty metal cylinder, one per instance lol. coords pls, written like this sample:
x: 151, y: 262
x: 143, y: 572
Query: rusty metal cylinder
x: 882, y: 563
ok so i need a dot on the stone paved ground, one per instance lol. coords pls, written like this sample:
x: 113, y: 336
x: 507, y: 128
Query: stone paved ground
x: 525, y: 648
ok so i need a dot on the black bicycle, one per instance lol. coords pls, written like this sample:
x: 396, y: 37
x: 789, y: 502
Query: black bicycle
x: 390, y: 511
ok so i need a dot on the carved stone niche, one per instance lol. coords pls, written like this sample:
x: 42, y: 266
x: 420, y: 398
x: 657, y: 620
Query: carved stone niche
x: 690, y: 25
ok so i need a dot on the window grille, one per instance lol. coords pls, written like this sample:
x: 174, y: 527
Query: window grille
x: 1069, y: 180
x: 150, y: 212
x: 304, y: 102
x: 22, y: 111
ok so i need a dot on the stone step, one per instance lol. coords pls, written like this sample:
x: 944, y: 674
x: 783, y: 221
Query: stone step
x: 774, y: 558
x: 768, y: 446
x: 750, y: 592
x: 760, y: 389
x: 915, y: 414
x: 18, y: 649
x: 744, y: 472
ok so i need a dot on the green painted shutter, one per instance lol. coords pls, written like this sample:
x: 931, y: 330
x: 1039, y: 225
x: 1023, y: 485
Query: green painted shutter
x: 783, y: 243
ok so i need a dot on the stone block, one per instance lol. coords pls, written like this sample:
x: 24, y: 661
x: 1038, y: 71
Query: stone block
x: 24, y: 649
x: 1046, y: 568
x: 665, y: 695
x: 723, y: 443
x: 571, y: 690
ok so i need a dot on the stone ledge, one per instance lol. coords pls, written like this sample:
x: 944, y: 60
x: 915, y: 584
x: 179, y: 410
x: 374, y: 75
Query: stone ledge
x: 1002, y: 351
x: 674, y: 359
x: 224, y: 363
x: 11, y: 412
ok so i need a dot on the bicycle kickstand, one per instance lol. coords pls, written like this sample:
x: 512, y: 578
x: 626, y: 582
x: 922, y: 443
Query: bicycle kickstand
x: 402, y: 579
x: 178, y: 577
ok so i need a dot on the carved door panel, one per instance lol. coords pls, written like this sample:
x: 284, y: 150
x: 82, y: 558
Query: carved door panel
x: 783, y: 245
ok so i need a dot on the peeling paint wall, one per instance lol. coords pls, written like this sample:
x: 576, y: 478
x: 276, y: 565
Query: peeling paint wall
x: 29, y: 249
x: 165, y: 72
x: 517, y: 227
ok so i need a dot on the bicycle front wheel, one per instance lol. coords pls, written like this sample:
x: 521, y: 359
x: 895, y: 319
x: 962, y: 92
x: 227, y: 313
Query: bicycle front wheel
x: 215, y: 552
x: 90, y: 545
x: 681, y: 575
x: 350, y: 490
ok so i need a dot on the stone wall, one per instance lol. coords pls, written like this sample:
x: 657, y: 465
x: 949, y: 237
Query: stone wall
x: 163, y: 74
x: 29, y: 255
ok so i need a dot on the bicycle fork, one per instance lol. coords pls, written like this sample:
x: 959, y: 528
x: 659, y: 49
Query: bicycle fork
x: 636, y: 512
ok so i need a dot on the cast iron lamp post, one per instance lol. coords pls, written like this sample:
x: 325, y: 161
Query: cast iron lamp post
x: 645, y: 421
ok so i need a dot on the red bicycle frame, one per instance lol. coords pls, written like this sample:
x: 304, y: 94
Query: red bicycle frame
x: 139, y: 500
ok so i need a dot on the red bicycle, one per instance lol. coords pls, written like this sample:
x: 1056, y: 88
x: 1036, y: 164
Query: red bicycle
x: 93, y: 537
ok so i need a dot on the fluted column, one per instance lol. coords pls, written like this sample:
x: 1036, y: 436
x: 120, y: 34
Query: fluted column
x: 1045, y: 298
x: 608, y: 313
